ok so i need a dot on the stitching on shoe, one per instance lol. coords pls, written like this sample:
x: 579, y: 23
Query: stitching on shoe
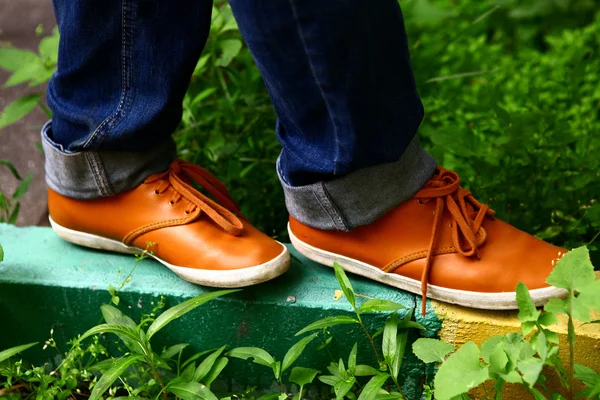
x: 394, y: 265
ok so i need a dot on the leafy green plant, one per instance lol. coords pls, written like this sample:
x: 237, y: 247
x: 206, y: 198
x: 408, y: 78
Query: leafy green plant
x: 31, y: 69
x: 343, y: 378
x: 138, y: 372
x: 9, y: 204
x: 520, y: 358
x: 139, y: 365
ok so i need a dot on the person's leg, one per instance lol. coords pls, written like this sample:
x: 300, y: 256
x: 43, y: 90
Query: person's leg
x: 114, y: 180
x: 123, y: 69
x: 359, y: 188
x: 340, y: 79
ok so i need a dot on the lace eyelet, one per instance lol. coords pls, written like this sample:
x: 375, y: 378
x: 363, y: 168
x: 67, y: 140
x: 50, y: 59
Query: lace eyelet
x: 171, y: 202
x: 156, y: 192
x: 450, y: 225
x: 420, y: 202
x: 187, y: 212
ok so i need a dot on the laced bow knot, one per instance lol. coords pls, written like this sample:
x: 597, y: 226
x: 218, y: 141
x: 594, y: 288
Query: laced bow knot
x: 467, y: 214
x: 182, y: 176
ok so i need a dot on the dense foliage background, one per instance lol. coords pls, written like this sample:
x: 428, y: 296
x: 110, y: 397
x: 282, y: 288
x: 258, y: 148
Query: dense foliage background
x: 512, y: 98
x: 512, y: 104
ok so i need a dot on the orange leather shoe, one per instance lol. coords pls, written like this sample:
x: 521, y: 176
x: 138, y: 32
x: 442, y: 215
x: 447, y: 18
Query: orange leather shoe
x: 202, y: 240
x: 443, y: 244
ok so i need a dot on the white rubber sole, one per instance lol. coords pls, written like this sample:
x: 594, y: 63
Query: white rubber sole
x: 488, y: 301
x: 215, y: 278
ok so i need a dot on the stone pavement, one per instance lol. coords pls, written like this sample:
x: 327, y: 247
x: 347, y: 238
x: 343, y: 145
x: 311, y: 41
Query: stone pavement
x: 18, y: 20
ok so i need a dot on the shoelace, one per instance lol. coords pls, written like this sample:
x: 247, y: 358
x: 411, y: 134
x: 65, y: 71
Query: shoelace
x: 467, y: 213
x: 180, y: 175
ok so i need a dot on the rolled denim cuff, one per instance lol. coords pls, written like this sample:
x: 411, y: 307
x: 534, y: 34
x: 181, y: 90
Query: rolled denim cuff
x: 360, y: 197
x: 91, y: 174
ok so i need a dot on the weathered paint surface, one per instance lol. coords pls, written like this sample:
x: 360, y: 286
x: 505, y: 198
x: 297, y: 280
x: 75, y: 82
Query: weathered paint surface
x: 47, y: 283
x: 460, y: 325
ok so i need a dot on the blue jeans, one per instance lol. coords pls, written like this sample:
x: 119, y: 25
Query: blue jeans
x: 338, y: 73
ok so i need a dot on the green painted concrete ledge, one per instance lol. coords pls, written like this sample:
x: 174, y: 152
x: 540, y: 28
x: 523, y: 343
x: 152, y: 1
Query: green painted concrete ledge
x: 46, y: 283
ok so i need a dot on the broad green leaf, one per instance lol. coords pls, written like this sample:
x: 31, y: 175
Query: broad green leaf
x: 174, y: 350
x: 230, y: 48
x: 188, y: 372
x: 336, y: 370
x: 586, y: 375
x: 527, y: 310
x: 380, y: 305
x: 110, y: 376
x: 23, y: 187
x: 588, y: 299
x: 365, y: 370
x: 498, y: 361
x: 258, y: 355
x: 556, y: 306
x: 48, y: 47
x: 329, y: 379
x: 191, y: 391
x: 18, y: 109
x: 119, y: 330
x: 489, y: 346
x: 344, y: 284
x: 548, y: 319
x: 303, y: 376
x: 410, y: 325
x: 1, y: 253
x: 390, y: 333
x: 531, y: 369
x: 196, y: 356
x: 295, y: 351
x: 8, y: 353
x: 207, y: 364
x: 213, y: 374
x: 401, y: 341
x: 104, y: 365
x: 431, y: 350
x: 12, y: 59
x: 327, y: 322
x: 461, y: 372
x: 511, y: 377
x: 527, y: 327
x: 114, y: 316
x: 372, y: 387
x: 35, y: 73
x: 201, y: 64
x: 342, y: 387
x: 202, y: 95
x: 574, y: 271
x: 540, y: 345
x: 182, y: 309
x: 276, y: 367
x: 595, y: 391
x: 352, y: 359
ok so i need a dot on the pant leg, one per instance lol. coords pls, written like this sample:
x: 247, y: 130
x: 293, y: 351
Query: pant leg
x: 339, y: 76
x: 123, y: 70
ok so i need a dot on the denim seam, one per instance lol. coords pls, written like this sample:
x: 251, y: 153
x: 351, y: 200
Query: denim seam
x: 336, y: 217
x: 98, y: 172
x: 336, y: 158
x: 100, y: 133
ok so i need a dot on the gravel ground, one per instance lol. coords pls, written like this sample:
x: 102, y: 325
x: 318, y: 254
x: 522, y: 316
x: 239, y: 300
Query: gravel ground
x: 18, y: 20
